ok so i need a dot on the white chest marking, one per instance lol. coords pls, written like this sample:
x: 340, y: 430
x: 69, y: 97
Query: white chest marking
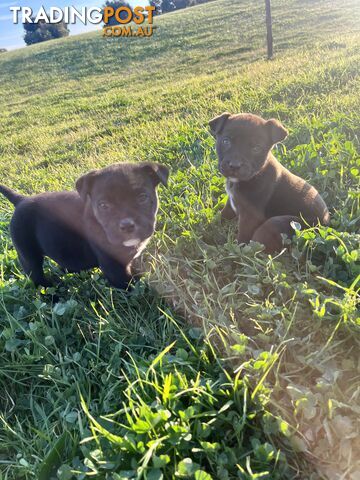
x: 229, y: 192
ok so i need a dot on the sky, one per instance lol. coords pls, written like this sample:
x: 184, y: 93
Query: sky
x: 11, y: 36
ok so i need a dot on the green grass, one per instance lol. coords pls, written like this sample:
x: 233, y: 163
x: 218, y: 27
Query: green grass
x: 263, y: 378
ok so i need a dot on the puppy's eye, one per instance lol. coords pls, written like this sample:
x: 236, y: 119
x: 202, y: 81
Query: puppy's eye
x: 103, y: 206
x: 256, y: 149
x: 143, y: 198
x: 226, y: 141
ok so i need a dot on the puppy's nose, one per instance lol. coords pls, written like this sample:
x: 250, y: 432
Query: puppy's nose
x: 127, y: 225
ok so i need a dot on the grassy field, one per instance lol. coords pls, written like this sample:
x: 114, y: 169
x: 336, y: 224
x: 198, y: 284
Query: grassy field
x: 224, y: 362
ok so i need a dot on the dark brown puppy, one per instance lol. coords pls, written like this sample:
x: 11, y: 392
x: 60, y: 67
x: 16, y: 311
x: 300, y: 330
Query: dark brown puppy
x: 106, y: 223
x: 263, y: 195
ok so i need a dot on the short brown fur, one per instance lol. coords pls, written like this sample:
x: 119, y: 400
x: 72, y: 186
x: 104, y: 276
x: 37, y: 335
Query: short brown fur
x: 263, y: 195
x: 105, y: 223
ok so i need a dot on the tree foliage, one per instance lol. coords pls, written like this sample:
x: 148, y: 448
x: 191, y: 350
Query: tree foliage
x: 158, y: 6
x: 115, y: 4
x: 163, y: 6
x: 41, y: 31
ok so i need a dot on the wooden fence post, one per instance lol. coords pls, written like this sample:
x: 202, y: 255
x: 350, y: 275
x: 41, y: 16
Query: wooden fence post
x: 269, y: 36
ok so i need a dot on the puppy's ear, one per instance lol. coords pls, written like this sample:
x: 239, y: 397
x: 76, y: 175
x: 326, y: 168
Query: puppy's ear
x: 277, y: 132
x: 84, y: 184
x: 158, y: 172
x: 217, y: 123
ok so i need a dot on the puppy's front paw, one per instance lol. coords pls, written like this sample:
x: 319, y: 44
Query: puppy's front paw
x: 243, y: 239
x: 122, y: 283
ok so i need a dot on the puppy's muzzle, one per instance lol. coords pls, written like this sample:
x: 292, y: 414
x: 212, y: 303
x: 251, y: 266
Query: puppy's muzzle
x: 230, y: 168
x: 234, y: 168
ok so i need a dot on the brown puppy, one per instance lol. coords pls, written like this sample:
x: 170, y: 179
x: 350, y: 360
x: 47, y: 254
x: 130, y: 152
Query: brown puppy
x: 106, y: 223
x: 263, y: 195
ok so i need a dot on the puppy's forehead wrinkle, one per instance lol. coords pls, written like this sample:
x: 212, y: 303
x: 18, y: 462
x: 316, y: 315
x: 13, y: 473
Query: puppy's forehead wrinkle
x: 246, y: 123
x: 126, y: 170
x: 248, y: 118
x: 123, y: 181
x: 244, y: 135
x: 138, y: 182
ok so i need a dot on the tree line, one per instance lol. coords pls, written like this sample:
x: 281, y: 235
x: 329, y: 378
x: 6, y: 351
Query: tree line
x: 41, y: 31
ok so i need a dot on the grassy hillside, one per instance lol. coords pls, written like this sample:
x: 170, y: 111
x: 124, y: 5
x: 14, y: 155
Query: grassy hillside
x: 264, y: 377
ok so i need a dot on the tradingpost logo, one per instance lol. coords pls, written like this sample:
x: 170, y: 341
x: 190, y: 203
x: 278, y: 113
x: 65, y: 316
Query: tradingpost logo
x: 123, y: 16
x: 116, y: 21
